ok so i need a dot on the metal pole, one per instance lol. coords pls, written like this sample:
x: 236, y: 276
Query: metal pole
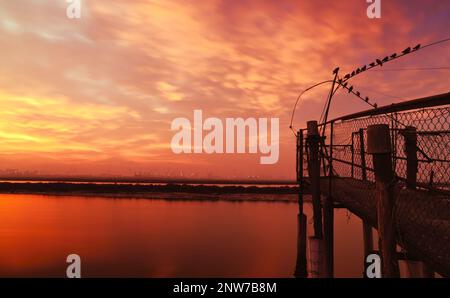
x: 410, y: 135
x: 353, y: 156
x: 328, y: 216
x: 362, y: 152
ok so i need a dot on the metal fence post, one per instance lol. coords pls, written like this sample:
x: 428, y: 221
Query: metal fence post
x: 352, y: 148
x: 410, y: 135
x: 362, y: 152
x: 328, y: 214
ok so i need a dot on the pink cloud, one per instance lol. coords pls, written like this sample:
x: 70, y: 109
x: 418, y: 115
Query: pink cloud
x: 143, y: 63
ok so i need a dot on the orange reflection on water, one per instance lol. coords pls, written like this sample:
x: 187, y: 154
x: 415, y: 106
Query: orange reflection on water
x: 157, y: 238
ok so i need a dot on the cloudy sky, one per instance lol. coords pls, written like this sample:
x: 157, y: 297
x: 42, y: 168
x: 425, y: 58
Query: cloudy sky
x: 97, y: 95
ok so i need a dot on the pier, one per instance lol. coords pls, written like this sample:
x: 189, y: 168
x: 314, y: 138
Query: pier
x: 390, y: 166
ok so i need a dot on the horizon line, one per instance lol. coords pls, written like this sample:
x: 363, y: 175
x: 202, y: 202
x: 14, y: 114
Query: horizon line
x: 134, y: 179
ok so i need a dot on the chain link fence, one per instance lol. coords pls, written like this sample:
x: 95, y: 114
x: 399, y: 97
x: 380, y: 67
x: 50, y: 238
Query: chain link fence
x: 420, y: 140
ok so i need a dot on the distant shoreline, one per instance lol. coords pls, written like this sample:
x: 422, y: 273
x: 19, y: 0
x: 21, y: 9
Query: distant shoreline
x: 168, y: 191
x: 138, y: 179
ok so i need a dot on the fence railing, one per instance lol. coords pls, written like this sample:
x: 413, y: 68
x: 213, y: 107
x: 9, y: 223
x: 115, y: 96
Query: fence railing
x: 421, y: 125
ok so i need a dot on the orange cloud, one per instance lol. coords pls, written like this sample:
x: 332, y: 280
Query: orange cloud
x: 99, y: 93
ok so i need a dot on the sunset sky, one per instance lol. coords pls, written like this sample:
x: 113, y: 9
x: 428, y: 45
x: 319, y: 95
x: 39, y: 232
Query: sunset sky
x: 97, y: 95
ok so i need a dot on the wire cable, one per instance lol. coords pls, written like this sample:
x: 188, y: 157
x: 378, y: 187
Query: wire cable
x: 414, y: 69
x: 380, y: 63
x: 298, y: 99
x: 343, y: 82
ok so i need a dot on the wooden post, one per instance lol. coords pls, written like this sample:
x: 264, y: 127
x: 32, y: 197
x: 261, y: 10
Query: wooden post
x: 317, y: 257
x: 362, y: 152
x: 300, y: 147
x: 301, y: 270
x: 314, y: 176
x: 415, y: 268
x: 328, y: 215
x: 379, y: 146
x: 368, y: 239
x: 367, y: 229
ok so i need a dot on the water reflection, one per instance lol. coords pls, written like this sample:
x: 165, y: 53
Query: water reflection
x: 156, y: 238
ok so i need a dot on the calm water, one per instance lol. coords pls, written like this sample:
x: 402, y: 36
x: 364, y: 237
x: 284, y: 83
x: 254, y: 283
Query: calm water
x: 157, y: 238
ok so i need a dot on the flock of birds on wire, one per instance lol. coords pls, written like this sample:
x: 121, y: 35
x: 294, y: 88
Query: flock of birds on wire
x: 378, y: 62
x: 343, y: 82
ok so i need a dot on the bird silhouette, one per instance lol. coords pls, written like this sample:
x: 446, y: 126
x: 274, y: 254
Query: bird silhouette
x: 350, y: 89
x: 358, y: 94
x: 393, y: 55
x: 407, y: 50
x: 345, y: 85
x: 379, y: 62
x: 347, y: 76
x: 367, y: 99
x: 372, y: 64
x: 375, y: 105
x: 364, y: 68
x: 386, y: 59
x: 417, y: 47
